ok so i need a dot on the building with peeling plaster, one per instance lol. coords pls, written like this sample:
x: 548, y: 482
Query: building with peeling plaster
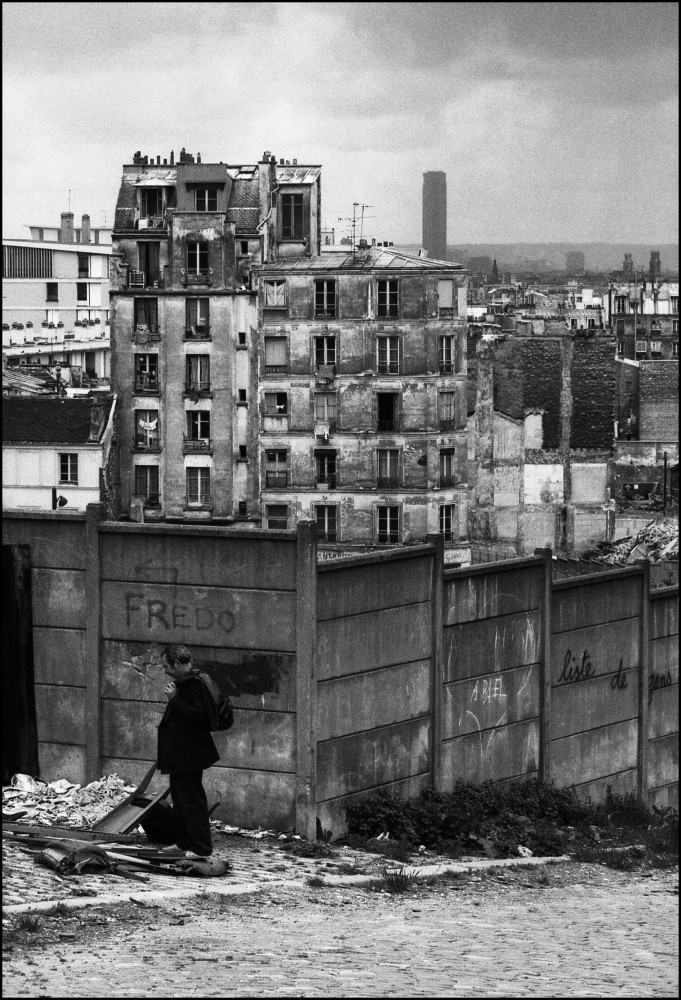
x: 362, y: 397
x: 184, y: 319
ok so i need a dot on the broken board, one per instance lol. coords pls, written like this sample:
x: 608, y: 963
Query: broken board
x: 126, y: 816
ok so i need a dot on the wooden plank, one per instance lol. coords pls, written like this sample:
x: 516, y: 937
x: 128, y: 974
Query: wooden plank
x: 664, y: 616
x: 248, y: 799
x: 61, y: 714
x: 493, y: 644
x: 379, y: 698
x: 580, y: 654
x: 368, y: 760
x: 591, y: 602
x: 58, y: 597
x: 483, y: 703
x: 498, y: 591
x: 257, y: 740
x: 209, y: 616
x: 594, y: 754
x: 126, y: 815
x: 59, y: 656
x: 192, y: 558
x: 504, y: 752
x: 378, y: 639
x: 332, y: 814
x: 594, y: 703
x: 352, y: 590
x: 663, y: 712
x: 57, y: 542
x: 257, y: 679
x: 27, y: 833
x: 663, y: 760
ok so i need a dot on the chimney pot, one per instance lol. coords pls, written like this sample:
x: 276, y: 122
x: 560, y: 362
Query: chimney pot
x: 85, y: 229
x: 295, y: 163
x: 288, y: 163
x: 172, y: 157
x: 165, y: 161
x: 281, y: 162
x: 198, y: 157
x: 158, y: 160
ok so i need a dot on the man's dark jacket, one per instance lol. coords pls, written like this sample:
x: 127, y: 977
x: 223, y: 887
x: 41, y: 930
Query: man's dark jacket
x: 184, y: 740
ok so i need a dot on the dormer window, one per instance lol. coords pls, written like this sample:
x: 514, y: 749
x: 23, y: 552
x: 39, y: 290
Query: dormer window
x: 206, y: 200
x: 151, y: 202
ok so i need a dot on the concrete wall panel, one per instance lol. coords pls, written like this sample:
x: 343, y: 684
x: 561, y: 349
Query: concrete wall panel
x: 487, y: 702
x: 664, y: 615
x: 500, y: 591
x: 594, y: 703
x: 379, y: 698
x: 488, y: 646
x: 663, y: 761
x: 580, y: 654
x: 362, y: 642
x: 585, y: 602
x: 663, y: 711
x: 331, y: 812
x: 57, y: 541
x: 503, y: 752
x: 62, y: 760
x: 589, y: 482
x: 594, y: 753
x: 58, y: 597
x: 59, y: 656
x: 61, y: 713
x: 353, y: 589
x: 623, y: 783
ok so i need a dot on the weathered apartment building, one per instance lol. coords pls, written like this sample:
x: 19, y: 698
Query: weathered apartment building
x: 644, y: 316
x: 264, y: 382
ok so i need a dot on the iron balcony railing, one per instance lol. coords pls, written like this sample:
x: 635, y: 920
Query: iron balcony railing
x: 196, y: 444
x: 276, y: 480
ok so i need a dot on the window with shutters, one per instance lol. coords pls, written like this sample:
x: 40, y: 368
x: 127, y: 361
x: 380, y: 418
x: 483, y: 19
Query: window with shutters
x: 447, y: 358
x: 147, y: 430
x: 387, y: 468
x: 325, y: 297
x: 387, y: 524
x: 447, y: 411
x: 388, y: 355
x: 198, y: 486
x: 275, y: 294
x: 326, y: 516
x: 387, y: 297
x: 447, y: 467
x: 146, y: 484
x: 325, y: 469
x: 275, y: 356
x: 276, y: 468
x: 276, y: 404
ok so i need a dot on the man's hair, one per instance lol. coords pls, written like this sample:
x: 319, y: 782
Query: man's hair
x: 176, y: 654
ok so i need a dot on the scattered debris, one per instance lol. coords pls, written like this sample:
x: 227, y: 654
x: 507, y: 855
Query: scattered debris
x: 62, y: 802
x: 657, y: 541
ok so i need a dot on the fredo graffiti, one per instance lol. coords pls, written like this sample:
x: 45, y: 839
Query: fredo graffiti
x: 167, y: 615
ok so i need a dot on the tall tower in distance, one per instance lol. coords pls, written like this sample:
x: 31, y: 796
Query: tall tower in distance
x: 435, y: 214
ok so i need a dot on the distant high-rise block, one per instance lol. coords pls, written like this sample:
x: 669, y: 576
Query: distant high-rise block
x: 654, y: 264
x: 435, y: 214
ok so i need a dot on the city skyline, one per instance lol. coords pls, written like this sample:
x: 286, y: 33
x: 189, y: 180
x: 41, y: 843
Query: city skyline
x: 543, y: 117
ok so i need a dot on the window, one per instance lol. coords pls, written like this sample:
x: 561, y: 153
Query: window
x: 325, y: 469
x: 146, y: 372
x: 325, y: 404
x: 675, y: 349
x: 387, y: 468
x: 325, y: 298
x: 275, y: 355
x: 292, y: 216
x: 197, y: 258
x: 326, y: 517
x: 242, y: 338
x: 447, y: 411
x: 146, y: 484
x: 149, y: 259
x: 198, y: 486
x: 244, y: 246
x: 81, y: 291
x: 446, y: 298
x: 276, y: 404
x: 146, y: 429
x: 387, y: 411
x: 52, y: 291
x: 388, y: 297
x: 621, y: 304
x: 198, y: 430
x: 83, y: 265
x: 620, y: 348
x: 243, y: 452
x: 448, y: 521
x: 206, y: 200
x: 275, y: 294
x: 242, y: 397
x: 243, y: 508
x: 26, y: 262
x: 68, y: 468
x: 198, y: 373
x: 276, y: 515
x: 447, y: 467
x: 675, y: 327
x: 388, y: 355
x: 674, y: 299
x: 325, y: 353
x: 197, y: 318
x: 146, y: 315
x: 656, y: 348
x: 620, y: 327
x: 388, y: 525
x: 276, y: 469
x: 447, y: 358
x: 151, y: 202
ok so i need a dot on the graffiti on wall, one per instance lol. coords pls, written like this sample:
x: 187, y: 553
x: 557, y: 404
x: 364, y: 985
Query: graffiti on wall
x: 169, y: 615
x: 656, y: 682
x: 576, y: 669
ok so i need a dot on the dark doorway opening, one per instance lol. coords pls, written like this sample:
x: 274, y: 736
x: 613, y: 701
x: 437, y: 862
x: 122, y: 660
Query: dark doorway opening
x: 19, y: 728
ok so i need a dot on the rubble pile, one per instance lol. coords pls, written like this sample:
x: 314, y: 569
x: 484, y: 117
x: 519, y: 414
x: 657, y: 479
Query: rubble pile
x: 62, y: 803
x: 657, y: 541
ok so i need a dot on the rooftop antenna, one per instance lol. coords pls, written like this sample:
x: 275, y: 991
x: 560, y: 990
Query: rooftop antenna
x: 353, y: 221
x: 104, y: 214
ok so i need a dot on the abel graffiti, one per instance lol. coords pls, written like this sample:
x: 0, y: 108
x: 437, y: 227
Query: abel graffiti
x: 576, y: 669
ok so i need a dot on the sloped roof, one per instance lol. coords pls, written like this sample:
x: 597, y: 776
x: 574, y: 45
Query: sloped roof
x: 16, y: 380
x: 375, y: 258
x: 43, y: 420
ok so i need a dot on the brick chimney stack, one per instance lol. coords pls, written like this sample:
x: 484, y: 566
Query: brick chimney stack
x: 85, y: 229
x: 66, y: 228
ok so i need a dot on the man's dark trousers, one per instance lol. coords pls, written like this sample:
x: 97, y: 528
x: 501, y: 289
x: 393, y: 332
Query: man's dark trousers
x: 190, y: 810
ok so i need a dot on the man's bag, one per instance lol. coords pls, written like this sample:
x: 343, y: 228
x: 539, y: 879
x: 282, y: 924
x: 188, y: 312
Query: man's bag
x: 219, y: 705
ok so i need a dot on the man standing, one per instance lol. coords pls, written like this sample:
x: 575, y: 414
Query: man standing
x: 186, y: 749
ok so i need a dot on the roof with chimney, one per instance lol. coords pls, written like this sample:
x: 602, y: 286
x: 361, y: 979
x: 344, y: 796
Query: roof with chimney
x: 36, y: 420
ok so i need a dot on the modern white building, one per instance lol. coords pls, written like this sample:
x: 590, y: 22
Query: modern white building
x: 58, y: 453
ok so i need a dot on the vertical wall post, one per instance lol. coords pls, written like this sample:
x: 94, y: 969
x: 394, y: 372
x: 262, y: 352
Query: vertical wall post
x: 545, y: 695
x: 94, y: 513
x: 436, y: 662
x: 306, y: 680
x: 643, y: 660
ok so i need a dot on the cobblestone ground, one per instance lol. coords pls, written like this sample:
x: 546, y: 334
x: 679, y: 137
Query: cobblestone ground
x: 563, y: 930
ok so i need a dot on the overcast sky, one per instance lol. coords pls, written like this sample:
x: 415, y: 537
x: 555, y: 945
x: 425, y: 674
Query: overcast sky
x: 553, y: 121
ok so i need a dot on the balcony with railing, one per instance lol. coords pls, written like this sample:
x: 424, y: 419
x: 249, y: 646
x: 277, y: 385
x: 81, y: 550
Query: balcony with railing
x: 196, y: 446
x: 276, y: 369
x: 199, y: 332
x: 144, y: 333
x: 447, y: 424
x: 326, y: 481
x: 447, y: 481
x: 276, y: 480
x: 196, y: 386
x: 147, y: 443
x: 146, y: 384
x: 145, y: 279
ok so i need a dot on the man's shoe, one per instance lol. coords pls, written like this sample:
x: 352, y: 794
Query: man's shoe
x: 191, y: 856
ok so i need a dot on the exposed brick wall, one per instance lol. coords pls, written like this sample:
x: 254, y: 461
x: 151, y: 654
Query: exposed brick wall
x: 659, y: 401
x: 542, y: 368
x: 593, y: 392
